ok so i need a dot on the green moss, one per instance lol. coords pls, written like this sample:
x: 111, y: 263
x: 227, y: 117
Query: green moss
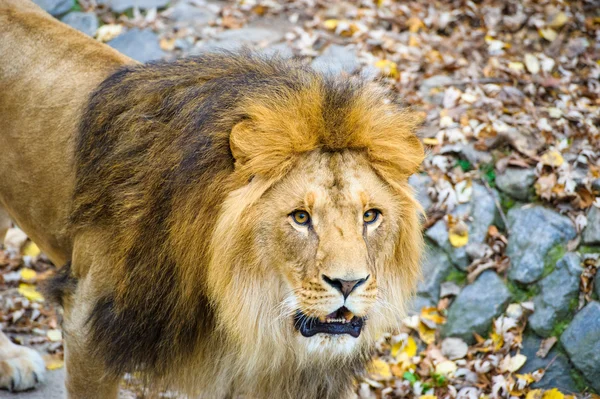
x: 76, y: 7
x: 506, y: 202
x: 465, y: 165
x: 559, y: 328
x: 489, y: 174
x: 554, y: 255
x: 587, y: 249
x: 579, y: 380
x: 573, y: 304
x: 521, y: 293
x: 457, y: 276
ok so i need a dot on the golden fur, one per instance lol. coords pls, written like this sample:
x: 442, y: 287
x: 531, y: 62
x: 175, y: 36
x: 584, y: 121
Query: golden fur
x: 184, y: 263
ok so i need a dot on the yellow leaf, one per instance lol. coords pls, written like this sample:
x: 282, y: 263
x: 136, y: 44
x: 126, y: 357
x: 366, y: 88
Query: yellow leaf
x: 388, y: 68
x: 108, y: 32
x: 414, y: 24
x: 29, y: 291
x: 516, y: 362
x: 548, y: 34
x: 497, y: 340
x: 552, y: 158
x: 534, y: 394
x: 54, y: 335
x: 331, y: 24
x: 427, y: 397
x: 446, y: 368
x: 431, y: 313
x: 553, y: 394
x: 458, y: 235
x: 559, y: 20
x: 28, y: 274
x: 426, y: 334
x: 380, y: 370
x: 413, y: 41
x: 431, y: 141
x: 516, y: 66
x: 409, y: 348
x: 31, y: 249
x: 54, y: 364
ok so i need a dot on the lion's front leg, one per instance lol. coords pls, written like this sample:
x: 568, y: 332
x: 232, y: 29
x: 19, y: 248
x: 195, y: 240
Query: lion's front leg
x: 87, y: 376
x: 21, y: 368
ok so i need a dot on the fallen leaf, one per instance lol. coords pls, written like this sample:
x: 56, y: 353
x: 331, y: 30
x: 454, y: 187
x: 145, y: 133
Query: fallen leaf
x: 446, y: 368
x: 458, y: 234
x: 516, y: 362
x: 388, y: 68
x: 107, y: 32
x: 30, y: 292
x: 31, y: 249
x: 380, y: 370
x: 426, y: 334
x: 28, y: 274
x: 548, y: 34
x: 552, y: 158
x: 532, y: 63
x: 409, y: 347
x: 545, y: 347
x: 559, y: 20
x: 54, y: 364
x: 553, y: 394
x: 54, y: 335
x: 534, y: 394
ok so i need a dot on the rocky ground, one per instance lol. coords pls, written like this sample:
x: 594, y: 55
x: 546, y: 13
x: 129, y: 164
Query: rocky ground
x: 508, y: 307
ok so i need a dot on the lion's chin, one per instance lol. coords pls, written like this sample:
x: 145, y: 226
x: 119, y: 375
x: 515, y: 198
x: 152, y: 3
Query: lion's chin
x: 329, y: 345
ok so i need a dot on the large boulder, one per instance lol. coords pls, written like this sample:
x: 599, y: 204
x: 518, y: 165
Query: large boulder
x: 420, y: 183
x: 516, y: 182
x: 482, y: 212
x: 85, y: 22
x: 556, y: 364
x: 141, y: 45
x: 55, y: 7
x: 476, y: 306
x: 436, y: 267
x: 581, y: 341
x: 123, y: 5
x: 591, y: 234
x: 533, y: 232
x: 558, y: 293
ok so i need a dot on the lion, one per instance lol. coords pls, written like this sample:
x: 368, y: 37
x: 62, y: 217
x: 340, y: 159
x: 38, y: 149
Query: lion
x: 229, y: 225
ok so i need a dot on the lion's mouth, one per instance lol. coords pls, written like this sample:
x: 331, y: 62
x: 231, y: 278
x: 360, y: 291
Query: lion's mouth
x: 342, y: 321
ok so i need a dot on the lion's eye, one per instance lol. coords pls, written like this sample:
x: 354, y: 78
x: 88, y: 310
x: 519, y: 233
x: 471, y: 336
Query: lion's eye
x: 300, y: 217
x: 371, y: 216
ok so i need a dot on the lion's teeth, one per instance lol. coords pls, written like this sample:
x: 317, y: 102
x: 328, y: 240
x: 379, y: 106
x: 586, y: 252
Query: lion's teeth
x: 322, y: 319
x: 348, y: 316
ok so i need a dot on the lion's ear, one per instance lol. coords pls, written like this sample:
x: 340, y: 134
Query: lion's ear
x: 238, y: 143
x: 260, y: 152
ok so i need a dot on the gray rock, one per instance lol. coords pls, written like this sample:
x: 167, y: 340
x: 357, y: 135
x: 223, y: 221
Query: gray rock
x: 483, y: 213
x: 141, y: 45
x: 475, y: 307
x: 438, y: 233
x: 420, y: 183
x: 556, y: 364
x: 85, y: 22
x: 337, y: 59
x: 123, y: 5
x: 596, y: 185
x: 591, y: 234
x: 475, y: 156
x: 558, y: 291
x: 516, y: 182
x: 534, y: 231
x: 581, y: 341
x: 190, y: 14
x: 55, y: 7
x: 436, y: 267
x: 280, y: 49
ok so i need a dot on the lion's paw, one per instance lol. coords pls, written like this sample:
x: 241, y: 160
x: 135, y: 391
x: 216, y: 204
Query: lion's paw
x: 21, y: 368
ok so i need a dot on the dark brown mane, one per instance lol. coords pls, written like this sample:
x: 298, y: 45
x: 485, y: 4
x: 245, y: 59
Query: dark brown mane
x: 154, y: 162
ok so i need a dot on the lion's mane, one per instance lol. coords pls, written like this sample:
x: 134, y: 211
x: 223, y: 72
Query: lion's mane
x: 154, y: 167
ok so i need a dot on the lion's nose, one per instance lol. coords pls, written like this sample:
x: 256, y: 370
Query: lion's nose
x: 344, y: 286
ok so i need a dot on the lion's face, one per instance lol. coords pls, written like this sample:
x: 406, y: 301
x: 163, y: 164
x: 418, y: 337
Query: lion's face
x: 326, y: 234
